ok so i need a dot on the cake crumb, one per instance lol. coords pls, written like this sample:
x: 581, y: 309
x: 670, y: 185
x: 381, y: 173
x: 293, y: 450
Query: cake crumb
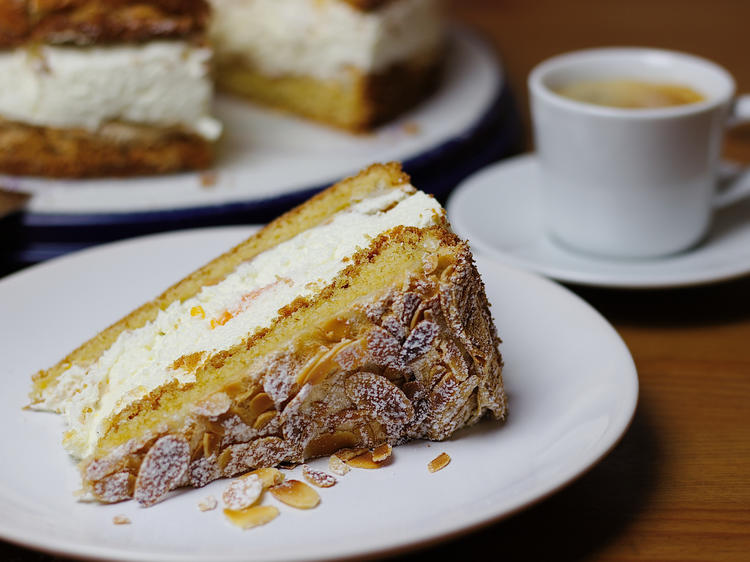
x: 411, y: 128
x: 337, y: 466
x: 209, y: 179
x: 208, y: 503
x: 121, y: 520
x: 439, y: 462
x: 318, y: 477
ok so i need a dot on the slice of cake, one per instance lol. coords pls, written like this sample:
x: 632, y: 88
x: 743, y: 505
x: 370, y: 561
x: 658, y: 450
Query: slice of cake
x: 354, y: 320
x: 349, y: 63
x: 104, y: 87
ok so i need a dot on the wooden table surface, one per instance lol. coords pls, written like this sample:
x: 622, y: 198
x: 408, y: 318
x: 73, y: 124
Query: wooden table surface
x: 677, y: 487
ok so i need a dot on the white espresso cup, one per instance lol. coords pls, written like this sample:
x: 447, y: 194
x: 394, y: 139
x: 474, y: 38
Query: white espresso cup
x: 630, y: 183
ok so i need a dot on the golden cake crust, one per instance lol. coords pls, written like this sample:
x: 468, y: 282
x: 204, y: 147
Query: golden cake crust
x: 85, y: 22
x: 114, y: 150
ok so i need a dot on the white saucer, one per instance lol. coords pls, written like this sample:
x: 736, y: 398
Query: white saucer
x: 571, y: 383
x: 498, y: 211
x: 267, y: 154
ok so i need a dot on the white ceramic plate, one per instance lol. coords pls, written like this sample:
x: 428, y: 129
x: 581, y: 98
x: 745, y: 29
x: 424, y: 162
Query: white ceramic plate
x: 266, y: 154
x: 498, y: 210
x: 571, y: 383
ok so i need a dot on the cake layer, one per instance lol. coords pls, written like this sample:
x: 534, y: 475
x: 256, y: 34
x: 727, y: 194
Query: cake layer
x: 375, y: 180
x: 358, y: 103
x: 324, y: 39
x: 222, y: 316
x: 86, y: 22
x: 159, y: 83
x: 116, y: 149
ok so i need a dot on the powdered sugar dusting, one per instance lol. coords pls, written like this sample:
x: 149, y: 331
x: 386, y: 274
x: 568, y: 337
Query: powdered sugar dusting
x: 318, y: 477
x: 213, y: 406
x: 419, y: 341
x: 243, y: 492
x: 203, y: 470
x: 264, y: 452
x: 162, y: 467
x: 378, y: 397
x: 114, y: 488
x: 384, y: 348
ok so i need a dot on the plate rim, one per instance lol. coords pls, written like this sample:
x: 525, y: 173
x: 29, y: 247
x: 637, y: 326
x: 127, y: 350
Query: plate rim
x: 616, y: 430
x: 574, y: 276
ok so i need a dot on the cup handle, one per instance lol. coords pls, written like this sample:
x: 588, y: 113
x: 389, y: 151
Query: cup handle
x: 734, y: 179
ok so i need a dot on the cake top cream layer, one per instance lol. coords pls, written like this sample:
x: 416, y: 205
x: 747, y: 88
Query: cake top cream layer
x: 225, y: 314
x: 160, y: 83
x: 324, y: 38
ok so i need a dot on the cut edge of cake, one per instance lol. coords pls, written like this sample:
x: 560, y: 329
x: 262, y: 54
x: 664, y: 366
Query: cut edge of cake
x: 364, y: 75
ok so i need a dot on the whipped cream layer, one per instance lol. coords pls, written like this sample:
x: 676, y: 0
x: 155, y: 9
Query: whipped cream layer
x: 160, y: 83
x: 324, y: 38
x: 223, y: 315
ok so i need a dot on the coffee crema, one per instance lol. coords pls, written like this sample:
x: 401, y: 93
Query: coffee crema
x: 629, y: 94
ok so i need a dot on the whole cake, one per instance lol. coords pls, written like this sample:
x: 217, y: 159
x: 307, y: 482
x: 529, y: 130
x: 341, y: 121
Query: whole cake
x: 349, y: 63
x: 125, y: 87
x: 104, y: 87
x: 354, y: 320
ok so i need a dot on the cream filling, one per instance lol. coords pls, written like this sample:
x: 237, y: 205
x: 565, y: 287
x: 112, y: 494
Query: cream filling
x: 324, y: 38
x: 222, y: 315
x: 160, y: 83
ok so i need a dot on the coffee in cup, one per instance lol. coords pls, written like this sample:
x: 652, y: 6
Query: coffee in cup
x: 629, y: 182
x: 629, y: 93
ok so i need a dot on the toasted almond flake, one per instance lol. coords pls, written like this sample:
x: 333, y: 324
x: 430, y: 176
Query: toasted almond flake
x: 439, y: 462
x: 318, y: 477
x: 260, y: 403
x: 162, y: 469
x: 264, y: 419
x: 208, y: 503
x: 346, y: 454
x: 121, y: 520
x: 268, y: 476
x: 242, y: 493
x: 214, y: 405
x: 252, y: 516
x: 337, y: 466
x: 296, y: 494
x: 382, y: 452
x: 363, y: 461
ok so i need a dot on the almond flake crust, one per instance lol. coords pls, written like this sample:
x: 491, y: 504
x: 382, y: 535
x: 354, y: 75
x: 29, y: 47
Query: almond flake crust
x: 115, y: 150
x: 418, y: 360
x: 88, y: 22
